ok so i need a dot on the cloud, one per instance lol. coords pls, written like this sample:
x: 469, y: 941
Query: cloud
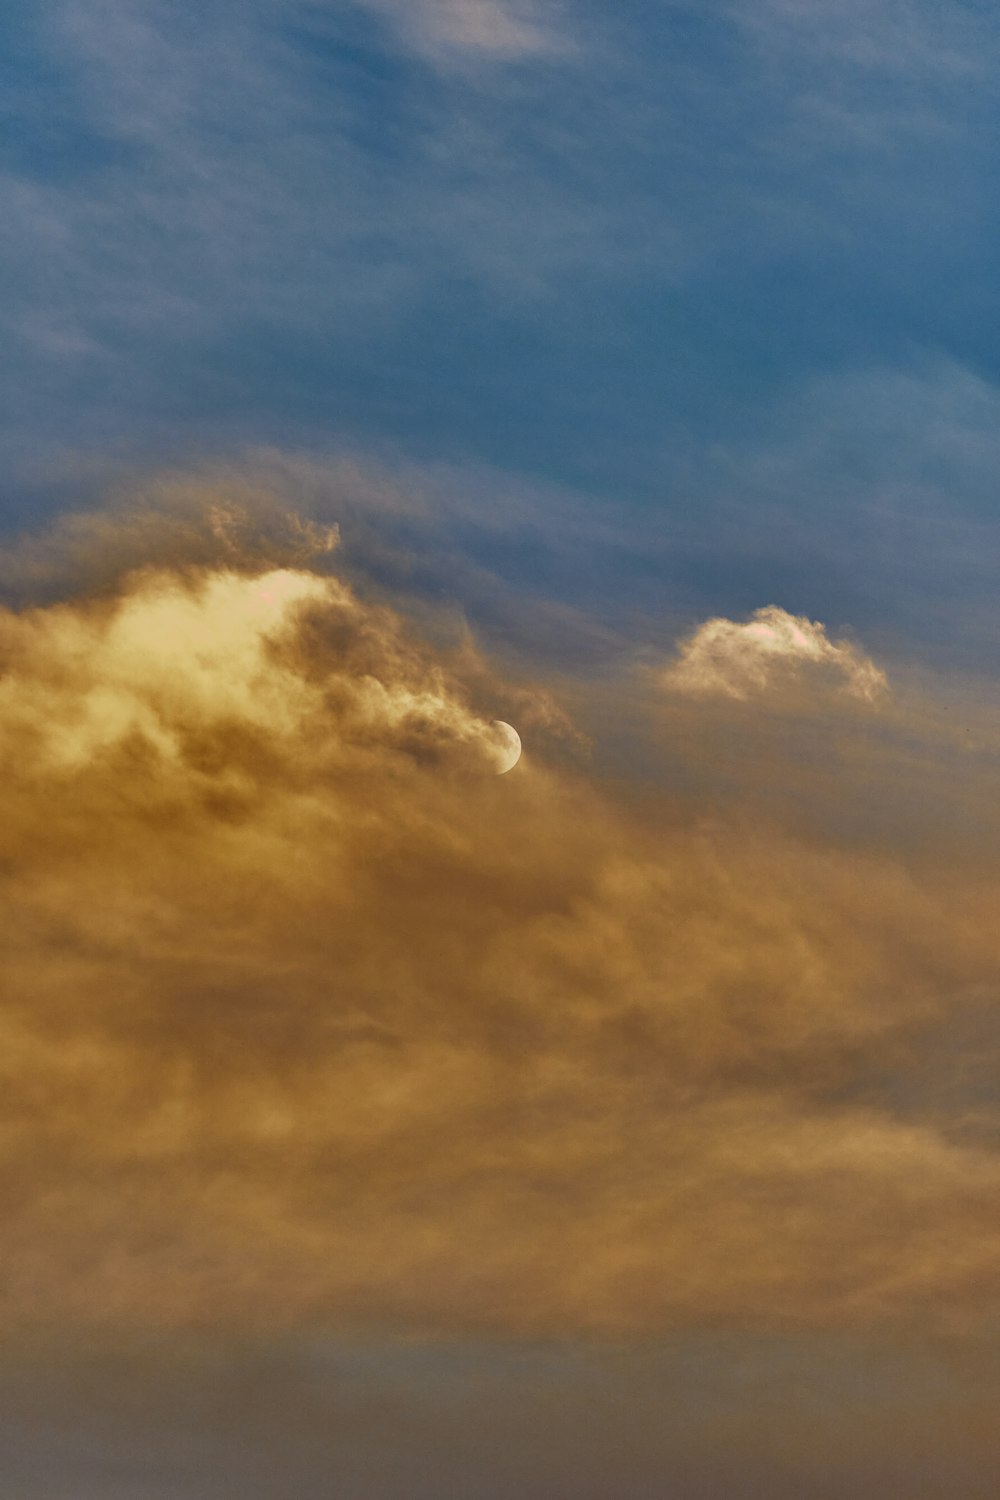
x: 771, y: 650
x: 178, y: 173
x: 181, y: 674
x: 419, y: 1419
x: 308, y: 1019
x: 905, y: 37
x: 185, y: 170
x: 493, y: 29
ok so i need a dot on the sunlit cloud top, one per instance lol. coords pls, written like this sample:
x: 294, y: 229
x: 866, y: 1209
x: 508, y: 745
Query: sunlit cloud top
x: 734, y: 660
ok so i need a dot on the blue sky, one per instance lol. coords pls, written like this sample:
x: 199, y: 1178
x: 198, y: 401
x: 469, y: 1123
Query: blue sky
x: 727, y: 272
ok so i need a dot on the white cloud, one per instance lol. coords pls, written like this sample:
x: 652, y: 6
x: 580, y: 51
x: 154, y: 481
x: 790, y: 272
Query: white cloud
x: 724, y: 658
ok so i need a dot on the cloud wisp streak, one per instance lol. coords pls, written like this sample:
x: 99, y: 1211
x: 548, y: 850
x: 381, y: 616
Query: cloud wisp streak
x: 495, y: 30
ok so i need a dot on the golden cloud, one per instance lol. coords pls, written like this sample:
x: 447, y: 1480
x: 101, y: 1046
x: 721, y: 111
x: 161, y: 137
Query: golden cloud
x: 772, y: 649
x: 307, y: 1017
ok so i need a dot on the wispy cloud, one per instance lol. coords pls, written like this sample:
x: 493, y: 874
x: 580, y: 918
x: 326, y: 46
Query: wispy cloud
x: 903, y: 37
x: 259, y: 230
x: 494, y: 29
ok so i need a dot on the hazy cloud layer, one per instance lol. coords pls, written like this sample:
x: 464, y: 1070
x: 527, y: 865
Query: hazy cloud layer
x: 309, y: 1018
x: 698, y: 1418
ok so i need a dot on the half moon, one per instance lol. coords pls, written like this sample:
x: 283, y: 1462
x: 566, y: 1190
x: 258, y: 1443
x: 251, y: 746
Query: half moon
x: 508, y: 746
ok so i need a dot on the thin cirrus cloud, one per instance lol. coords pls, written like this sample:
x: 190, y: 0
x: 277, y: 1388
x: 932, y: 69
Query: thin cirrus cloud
x: 491, y: 29
x: 774, y: 649
x: 309, y: 1020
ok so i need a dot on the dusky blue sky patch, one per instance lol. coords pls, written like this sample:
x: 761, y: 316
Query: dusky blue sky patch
x: 618, y: 263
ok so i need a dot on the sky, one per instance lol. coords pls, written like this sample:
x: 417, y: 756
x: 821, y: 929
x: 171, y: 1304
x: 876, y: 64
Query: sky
x: 380, y: 1119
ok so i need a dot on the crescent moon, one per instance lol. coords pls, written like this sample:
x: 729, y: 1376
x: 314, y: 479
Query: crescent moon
x: 508, y: 746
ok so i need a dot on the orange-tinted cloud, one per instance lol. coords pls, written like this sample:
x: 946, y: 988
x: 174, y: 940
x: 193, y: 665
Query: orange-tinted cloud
x: 307, y: 1017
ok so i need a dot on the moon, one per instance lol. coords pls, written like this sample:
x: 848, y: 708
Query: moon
x: 508, y: 746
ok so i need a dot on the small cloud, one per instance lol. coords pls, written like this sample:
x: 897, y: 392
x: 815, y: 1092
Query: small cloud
x: 725, y: 659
